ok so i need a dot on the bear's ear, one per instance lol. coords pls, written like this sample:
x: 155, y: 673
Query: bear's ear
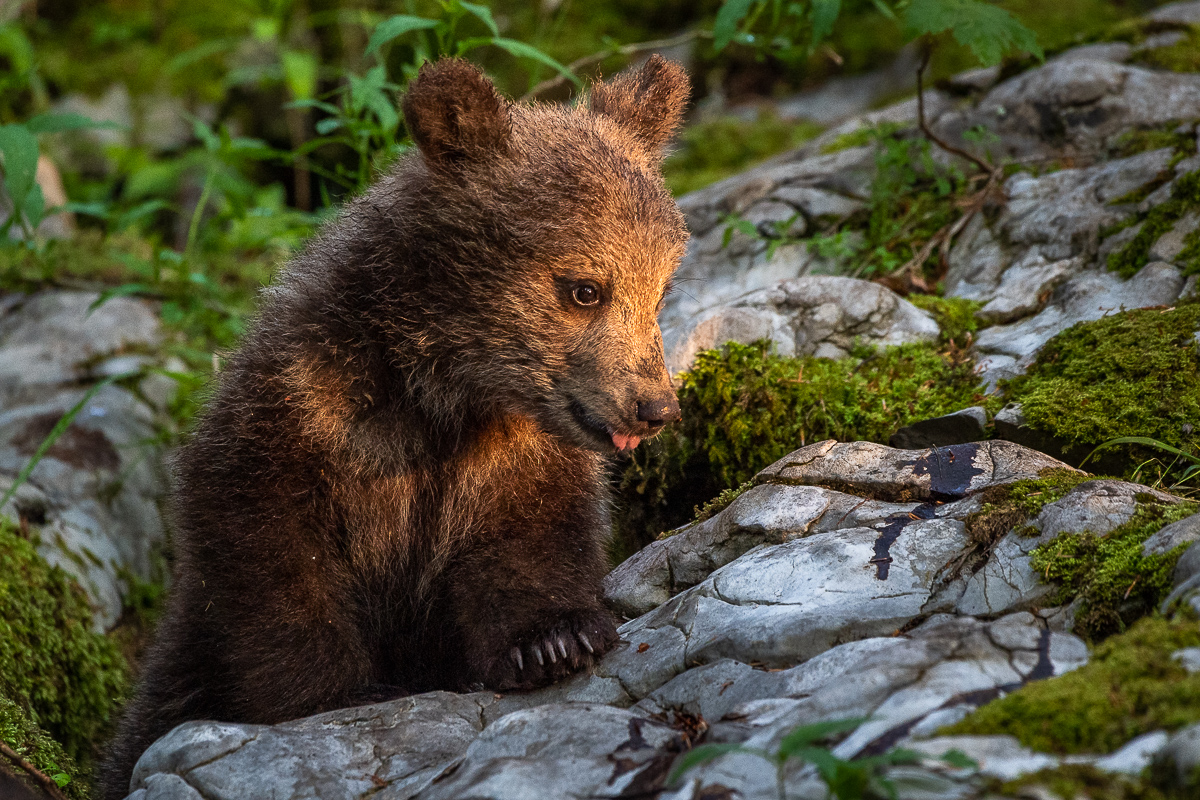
x: 455, y: 114
x: 648, y: 101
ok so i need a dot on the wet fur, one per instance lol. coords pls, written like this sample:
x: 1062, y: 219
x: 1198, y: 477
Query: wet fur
x: 391, y: 488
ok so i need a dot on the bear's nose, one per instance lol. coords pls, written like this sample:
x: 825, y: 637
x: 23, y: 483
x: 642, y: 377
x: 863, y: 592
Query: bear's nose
x: 658, y: 412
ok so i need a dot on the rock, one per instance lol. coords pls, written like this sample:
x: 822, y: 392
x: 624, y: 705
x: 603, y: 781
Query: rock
x: 1024, y: 288
x: 1136, y: 755
x: 1186, y: 13
x: 94, y: 497
x: 1188, y: 658
x: 882, y: 472
x: 1182, y: 753
x: 815, y: 315
x: 1170, y: 244
x: 1188, y: 565
x: 1000, y: 757
x: 843, y: 97
x: 1005, y: 350
x: 398, y: 747
x: 1185, y: 531
x: 957, y: 428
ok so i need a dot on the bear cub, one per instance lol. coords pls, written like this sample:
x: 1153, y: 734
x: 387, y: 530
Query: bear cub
x: 399, y: 483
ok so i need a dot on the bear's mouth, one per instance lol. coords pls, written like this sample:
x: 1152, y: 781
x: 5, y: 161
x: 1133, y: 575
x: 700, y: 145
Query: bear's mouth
x: 601, y: 431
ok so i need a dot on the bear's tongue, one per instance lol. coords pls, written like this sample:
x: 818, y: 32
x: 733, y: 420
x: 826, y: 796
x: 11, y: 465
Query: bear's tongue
x: 625, y: 442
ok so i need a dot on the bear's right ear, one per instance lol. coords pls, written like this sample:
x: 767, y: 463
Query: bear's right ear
x: 648, y: 101
x: 455, y: 114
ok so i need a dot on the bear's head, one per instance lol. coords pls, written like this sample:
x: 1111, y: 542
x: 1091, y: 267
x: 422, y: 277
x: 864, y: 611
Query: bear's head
x: 555, y: 227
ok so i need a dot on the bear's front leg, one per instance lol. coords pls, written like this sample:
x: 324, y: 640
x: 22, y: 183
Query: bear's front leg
x: 528, y: 607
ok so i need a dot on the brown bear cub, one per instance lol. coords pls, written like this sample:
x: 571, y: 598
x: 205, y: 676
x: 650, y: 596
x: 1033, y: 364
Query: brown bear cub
x: 399, y: 484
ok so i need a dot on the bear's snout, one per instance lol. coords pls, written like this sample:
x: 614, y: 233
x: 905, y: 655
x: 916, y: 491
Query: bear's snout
x: 658, y: 411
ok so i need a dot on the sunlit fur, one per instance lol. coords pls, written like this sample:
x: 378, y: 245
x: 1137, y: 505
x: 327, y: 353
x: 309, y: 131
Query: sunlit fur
x: 391, y: 488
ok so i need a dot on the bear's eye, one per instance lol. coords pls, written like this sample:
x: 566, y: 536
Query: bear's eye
x: 586, y: 294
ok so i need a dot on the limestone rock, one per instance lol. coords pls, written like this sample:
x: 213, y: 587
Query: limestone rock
x: 960, y: 427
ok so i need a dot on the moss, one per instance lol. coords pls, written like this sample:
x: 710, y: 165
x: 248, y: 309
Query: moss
x: 1183, y: 56
x: 1133, y: 373
x: 861, y: 137
x: 1185, y: 194
x: 1011, y: 505
x: 1130, y: 686
x: 954, y: 315
x: 1071, y: 781
x: 744, y: 407
x: 721, y: 502
x: 710, y: 151
x: 1114, y: 583
x: 64, y: 676
x: 33, y: 744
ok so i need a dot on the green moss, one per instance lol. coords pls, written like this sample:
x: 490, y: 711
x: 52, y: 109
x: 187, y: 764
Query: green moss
x: 861, y: 137
x: 1071, y: 781
x: 721, y: 502
x: 1133, y: 373
x: 954, y: 315
x: 745, y: 407
x: 1130, y: 686
x: 64, y: 676
x: 710, y: 151
x: 1183, y: 56
x: 33, y: 744
x: 1114, y: 583
x: 1010, y: 505
x: 1185, y: 195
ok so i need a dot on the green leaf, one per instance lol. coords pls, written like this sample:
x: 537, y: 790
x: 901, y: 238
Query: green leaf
x: 18, y: 157
x: 523, y: 50
x: 1142, y: 440
x: 824, y: 14
x: 725, y: 26
x: 483, y: 13
x: 959, y: 759
x: 300, y: 73
x: 61, y: 778
x: 55, y: 123
x: 702, y: 755
x: 807, y: 734
x: 989, y: 31
x: 395, y: 27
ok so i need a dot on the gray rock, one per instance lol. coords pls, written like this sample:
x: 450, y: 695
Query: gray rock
x: 1025, y: 287
x: 1188, y: 565
x: 957, y: 428
x: 1136, y: 755
x: 94, y: 497
x: 1182, y: 753
x: 1001, y: 757
x: 882, y: 472
x: 1006, y: 349
x: 815, y: 315
x: 396, y: 748
x: 1185, y: 13
x: 1170, y: 244
x: 1185, y: 531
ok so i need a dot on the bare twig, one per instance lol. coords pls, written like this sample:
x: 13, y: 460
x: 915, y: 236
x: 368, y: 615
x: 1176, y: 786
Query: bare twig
x: 944, y: 237
x: 42, y: 779
x: 622, y: 50
x: 926, y: 51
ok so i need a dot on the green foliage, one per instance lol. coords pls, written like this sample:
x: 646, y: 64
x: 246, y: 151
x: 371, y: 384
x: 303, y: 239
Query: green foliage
x: 954, y: 315
x: 1133, y: 373
x: 745, y: 407
x: 65, y: 677
x: 793, y: 31
x: 1114, y: 583
x: 721, y: 502
x: 1130, y: 686
x: 1005, y: 507
x: 33, y: 744
x: 1185, y: 195
x: 855, y: 779
x: 709, y: 151
x: 1080, y: 780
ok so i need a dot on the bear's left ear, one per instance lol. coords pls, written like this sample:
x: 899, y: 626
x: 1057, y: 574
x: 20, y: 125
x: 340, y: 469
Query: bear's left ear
x: 455, y: 114
x: 648, y: 101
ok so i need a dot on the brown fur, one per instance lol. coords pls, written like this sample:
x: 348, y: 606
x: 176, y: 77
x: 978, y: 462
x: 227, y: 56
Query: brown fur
x: 398, y: 485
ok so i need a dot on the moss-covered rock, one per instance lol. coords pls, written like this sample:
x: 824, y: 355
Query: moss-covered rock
x: 1011, y: 505
x: 1131, y: 686
x: 63, y: 676
x: 34, y: 745
x: 1114, y: 583
x: 1072, y: 781
x: 744, y: 407
x: 1133, y: 373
